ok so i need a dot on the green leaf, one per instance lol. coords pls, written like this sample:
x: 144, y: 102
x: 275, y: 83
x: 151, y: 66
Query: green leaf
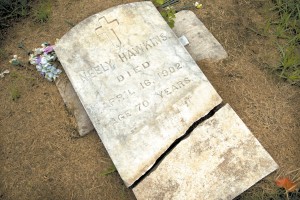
x: 160, y: 2
x: 110, y: 170
x: 171, y: 23
x: 169, y: 15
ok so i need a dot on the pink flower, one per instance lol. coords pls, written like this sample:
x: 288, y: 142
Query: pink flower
x: 48, y: 49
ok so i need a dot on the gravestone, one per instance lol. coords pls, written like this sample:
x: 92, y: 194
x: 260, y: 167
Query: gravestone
x: 220, y: 159
x: 140, y: 87
x: 142, y: 91
x: 199, y: 42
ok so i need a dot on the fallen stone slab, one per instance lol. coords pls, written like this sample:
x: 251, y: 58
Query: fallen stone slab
x: 220, y: 159
x: 202, y: 45
x: 139, y: 86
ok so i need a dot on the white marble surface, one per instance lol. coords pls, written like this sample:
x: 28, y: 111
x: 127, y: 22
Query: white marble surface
x: 140, y: 87
x: 219, y: 160
x: 209, y: 51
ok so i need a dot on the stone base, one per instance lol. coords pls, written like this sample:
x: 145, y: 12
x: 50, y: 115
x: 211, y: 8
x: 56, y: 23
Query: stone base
x: 71, y: 100
x: 220, y: 159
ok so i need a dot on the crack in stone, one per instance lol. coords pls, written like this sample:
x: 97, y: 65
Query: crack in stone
x: 177, y: 141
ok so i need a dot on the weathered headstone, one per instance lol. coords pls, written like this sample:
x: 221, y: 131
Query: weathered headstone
x: 200, y: 44
x: 140, y: 87
x: 220, y: 159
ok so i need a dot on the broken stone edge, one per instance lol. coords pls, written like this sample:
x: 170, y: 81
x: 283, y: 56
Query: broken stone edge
x: 220, y: 159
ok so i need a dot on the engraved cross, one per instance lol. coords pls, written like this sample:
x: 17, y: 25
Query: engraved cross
x: 106, y: 29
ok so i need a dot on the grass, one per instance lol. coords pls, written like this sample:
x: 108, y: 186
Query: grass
x: 167, y: 13
x: 19, y: 84
x: 43, y: 11
x: 289, y: 67
x: 267, y: 190
x: 3, y: 54
x: 14, y: 90
x: 15, y: 93
x: 11, y: 10
x: 286, y: 26
x: 108, y: 171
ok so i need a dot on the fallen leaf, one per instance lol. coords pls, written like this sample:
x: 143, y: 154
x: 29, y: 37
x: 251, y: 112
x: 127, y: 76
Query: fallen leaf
x: 287, y: 184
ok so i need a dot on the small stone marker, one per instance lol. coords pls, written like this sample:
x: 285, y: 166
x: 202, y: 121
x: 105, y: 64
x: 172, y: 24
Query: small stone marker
x: 203, y: 45
x: 140, y: 87
x: 220, y: 159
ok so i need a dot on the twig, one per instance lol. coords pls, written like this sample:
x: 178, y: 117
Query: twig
x: 169, y: 2
x: 255, y: 31
x: 293, y: 171
x: 70, y: 23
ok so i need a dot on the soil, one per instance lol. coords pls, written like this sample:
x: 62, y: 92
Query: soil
x: 42, y: 158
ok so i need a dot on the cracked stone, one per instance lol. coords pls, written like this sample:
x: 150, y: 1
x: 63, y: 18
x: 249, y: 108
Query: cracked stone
x: 139, y: 86
x: 220, y: 159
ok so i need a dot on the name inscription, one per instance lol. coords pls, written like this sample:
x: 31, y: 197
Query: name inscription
x: 143, y: 47
x: 149, y: 83
x: 109, y: 66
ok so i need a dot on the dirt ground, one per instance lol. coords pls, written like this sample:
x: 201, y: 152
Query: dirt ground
x: 40, y: 157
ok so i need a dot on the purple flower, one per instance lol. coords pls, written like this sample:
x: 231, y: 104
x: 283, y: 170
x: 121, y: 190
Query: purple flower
x: 48, y: 49
x: 38, y: 60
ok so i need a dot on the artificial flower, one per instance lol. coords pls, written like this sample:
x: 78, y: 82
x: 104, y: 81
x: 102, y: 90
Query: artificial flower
x: 15, y: 61
x: 198, y: 5
x: 43, y: 59
x: 48, y: 49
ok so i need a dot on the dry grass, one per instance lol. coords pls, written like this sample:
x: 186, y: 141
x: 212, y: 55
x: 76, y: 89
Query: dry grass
x: 40, y: 158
